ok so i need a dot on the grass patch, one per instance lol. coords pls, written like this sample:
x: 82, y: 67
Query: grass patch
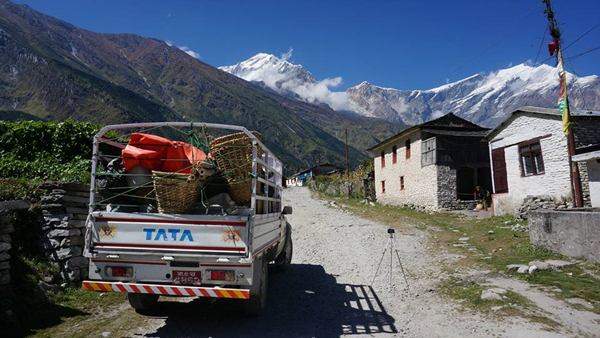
x: 511, y: 304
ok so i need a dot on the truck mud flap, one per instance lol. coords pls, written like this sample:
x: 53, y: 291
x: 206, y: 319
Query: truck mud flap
x: 166, y: 290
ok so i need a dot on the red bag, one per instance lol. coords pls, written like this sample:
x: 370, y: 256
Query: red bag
x: 158, y: 153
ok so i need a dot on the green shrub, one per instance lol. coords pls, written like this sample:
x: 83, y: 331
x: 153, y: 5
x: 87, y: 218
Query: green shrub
x: 47, y: 150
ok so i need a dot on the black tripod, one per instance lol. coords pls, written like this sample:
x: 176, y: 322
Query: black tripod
x: 392, y: 245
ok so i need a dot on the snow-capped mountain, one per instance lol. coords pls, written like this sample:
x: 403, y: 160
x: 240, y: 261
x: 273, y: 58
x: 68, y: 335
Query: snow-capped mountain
x: 289, y: 79
x: 276, y: 73
x: 483, y: 99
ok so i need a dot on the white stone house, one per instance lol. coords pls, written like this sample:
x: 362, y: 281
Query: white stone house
x: 529, y: 156
x: 435, y: 165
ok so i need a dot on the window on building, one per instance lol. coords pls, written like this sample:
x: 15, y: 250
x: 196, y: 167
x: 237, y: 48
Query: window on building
x: 428, y: 152
x: 383, y: 158
x: 532, y: 162
x: 401, y: 182
x: 407, y: 147
x: 394, y: 155
x: 383, y: 187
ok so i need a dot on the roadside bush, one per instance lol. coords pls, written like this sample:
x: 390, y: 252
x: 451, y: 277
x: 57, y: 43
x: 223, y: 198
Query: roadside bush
x: 46, y: 150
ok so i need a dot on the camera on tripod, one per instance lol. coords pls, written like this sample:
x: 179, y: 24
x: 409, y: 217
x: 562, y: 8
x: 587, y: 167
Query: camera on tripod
x: 391, y: 231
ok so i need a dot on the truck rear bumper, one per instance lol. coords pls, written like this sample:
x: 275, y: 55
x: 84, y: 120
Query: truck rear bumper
x: 166, y: 290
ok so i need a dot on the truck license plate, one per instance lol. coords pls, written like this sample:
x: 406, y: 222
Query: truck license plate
x: 187, y: 277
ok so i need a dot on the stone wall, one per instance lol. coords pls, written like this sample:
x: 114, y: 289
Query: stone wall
x: 6, y: 228
x: 572, y: 233
x: 339, y: 188
x: 585, y: 183
x: 65, y: 211
x: 446, y: 189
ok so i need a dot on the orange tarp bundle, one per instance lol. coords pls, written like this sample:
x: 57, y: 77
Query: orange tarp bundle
x: 158, y: 153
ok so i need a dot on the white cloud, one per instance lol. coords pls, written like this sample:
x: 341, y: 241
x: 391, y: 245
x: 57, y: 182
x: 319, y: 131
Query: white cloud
x: 169, y: 15
x: 447, y: 80
x: 437, y: 114
x: 169, y: 43
x: 190, y: 52
x: 510, y: 64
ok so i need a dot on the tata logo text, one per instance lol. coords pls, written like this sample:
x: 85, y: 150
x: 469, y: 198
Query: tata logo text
x: 153, y: 234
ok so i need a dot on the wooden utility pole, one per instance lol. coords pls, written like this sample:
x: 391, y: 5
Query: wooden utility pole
x: 567, y: 120
x: 347, y: 166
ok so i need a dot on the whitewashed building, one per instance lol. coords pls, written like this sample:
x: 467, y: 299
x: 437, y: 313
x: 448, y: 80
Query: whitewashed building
x: 434, y: 165
x: 529, y: 156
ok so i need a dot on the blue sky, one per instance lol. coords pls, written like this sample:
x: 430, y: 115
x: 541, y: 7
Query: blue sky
x: 400, y: 44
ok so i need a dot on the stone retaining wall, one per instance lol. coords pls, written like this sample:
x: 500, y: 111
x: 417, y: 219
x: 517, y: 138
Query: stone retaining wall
x: 574, y: 233
x: 65, y: 211
x: 6, y: 228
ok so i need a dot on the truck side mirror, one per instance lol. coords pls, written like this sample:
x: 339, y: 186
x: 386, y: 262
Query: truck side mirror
x: 287, y: 210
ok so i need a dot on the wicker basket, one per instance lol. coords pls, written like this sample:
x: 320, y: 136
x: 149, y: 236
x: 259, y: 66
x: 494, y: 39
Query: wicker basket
x: 233, y: 154
x: 175, y: 192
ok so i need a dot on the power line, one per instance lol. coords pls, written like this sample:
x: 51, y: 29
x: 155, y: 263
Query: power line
x: 583, y: 53
x: 584, y: 34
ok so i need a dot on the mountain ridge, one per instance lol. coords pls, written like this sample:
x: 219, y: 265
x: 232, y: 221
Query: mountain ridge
x: 482, y: 98
x: 55, y: 70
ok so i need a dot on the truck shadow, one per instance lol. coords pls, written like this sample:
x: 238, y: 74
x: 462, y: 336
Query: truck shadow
x: 302, y: 302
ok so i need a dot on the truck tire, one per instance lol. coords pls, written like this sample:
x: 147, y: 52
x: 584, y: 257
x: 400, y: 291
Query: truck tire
x: 140, y: 301
x: 258, y: 291
x: 284, y: 260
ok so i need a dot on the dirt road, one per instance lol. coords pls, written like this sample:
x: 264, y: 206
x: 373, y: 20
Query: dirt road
x: 328, y: 291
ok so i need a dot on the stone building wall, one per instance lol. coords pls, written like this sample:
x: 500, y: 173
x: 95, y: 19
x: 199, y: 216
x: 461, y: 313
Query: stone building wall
x: 65, y: 211
x: 585, y: 183
x: 446, y: 190
x: 420, y: 183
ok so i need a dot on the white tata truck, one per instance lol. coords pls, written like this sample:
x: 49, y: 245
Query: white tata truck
x: 211, y: 252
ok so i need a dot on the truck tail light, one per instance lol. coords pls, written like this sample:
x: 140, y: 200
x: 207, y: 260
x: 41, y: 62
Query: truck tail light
x: 119, y: 271
x: 222, y: 275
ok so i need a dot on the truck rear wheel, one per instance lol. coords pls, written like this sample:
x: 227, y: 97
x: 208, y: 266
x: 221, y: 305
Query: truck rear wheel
x: 284, y: 260
x: 140, y: 301
x: 258, y: 291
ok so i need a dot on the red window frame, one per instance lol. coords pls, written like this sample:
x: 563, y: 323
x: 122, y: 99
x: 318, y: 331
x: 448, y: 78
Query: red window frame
x: 394, y: 154
x: 407, y: 147
x: 383, y: 159
x: 383, y: 187
x: 401, y: 182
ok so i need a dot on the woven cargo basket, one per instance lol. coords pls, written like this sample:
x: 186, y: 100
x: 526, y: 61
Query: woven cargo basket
x: 233, y: 154
x: 175, y: 194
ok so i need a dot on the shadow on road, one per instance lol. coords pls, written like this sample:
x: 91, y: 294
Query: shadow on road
x: 302, y: 302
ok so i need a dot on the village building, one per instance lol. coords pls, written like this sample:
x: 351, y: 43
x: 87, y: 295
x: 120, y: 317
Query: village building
x: 300, y: 178
x: 529, y: 159
x: 435, y: 165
